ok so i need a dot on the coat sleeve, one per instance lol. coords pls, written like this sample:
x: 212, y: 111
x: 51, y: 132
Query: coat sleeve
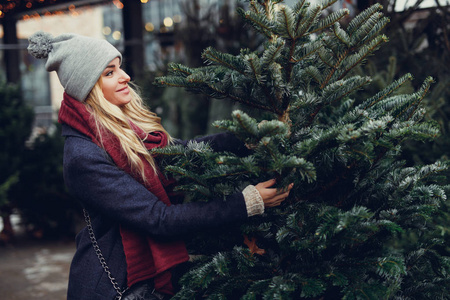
x: 101, y: 186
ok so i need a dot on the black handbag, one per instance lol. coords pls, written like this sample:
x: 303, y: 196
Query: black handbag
x: 144, y: 290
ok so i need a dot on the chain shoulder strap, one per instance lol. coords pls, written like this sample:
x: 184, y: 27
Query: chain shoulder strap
x: 100, y: 256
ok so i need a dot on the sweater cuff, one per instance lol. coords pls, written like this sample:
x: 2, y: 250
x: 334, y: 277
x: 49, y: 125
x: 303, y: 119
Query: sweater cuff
x: 253, y: 201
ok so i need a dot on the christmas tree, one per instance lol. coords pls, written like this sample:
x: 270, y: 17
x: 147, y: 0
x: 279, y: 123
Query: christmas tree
x: 341, y: 233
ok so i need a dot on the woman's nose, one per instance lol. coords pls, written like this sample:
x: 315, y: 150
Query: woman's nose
x: 124, y: 76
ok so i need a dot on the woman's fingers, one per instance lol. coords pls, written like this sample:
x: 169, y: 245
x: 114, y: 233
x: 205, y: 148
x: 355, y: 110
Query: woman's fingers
x: 273, y: 203
x: 267, y: 183
x: 276, y: 200
x: 272, y: 196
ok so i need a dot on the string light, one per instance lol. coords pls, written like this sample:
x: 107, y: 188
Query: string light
x: 117, y: 35
x: 168, y: 22
x: 25, y: 8
x: 33, y: 6
x: 106, y: 30
x: 149, y: 26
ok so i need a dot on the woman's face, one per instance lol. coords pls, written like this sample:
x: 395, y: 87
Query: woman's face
x: 115, y: 84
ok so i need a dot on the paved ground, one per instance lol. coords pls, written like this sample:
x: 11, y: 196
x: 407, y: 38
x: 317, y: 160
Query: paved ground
x: 32, y: 269
x: 35, y: 270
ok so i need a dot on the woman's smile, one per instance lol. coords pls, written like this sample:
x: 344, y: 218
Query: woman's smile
x: 124, y: 90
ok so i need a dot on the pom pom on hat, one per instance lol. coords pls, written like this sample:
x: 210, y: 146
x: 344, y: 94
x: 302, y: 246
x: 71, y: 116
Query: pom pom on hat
x: 40, y: 44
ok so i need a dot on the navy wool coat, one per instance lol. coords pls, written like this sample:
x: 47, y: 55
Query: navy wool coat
x: 113, y: 197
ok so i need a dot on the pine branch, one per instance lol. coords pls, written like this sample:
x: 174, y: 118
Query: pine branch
x: 326, y: 56
x: 327, y: 3
x: 308, y: 50
x: 186, y: 174
x: 317, y: 143
x: 342, y: 88
x: 423, y: 173
x: 331, y: 19
x: 210, y: 55
x: 314, y: 73
x: 248, y: 100
x: 386, y: 92
x: 284, y: 23
x: 341, y: 34
x: 170, y: 150
x: 272, y: 128
x: 419, y: 132
x: 359, y: 35
x: 257, y: 21
x: 360, y: 56
x: 411, y: 103
x: 310, y: 20
x: 376, y: 29
x: 271, y: 54
x: 245, y: 122
x: 421, y: 94
x: 171, y: 81
x: 362, y: 18
x: 253, y: 67
x: 176, y: 69
x: 299, y: 10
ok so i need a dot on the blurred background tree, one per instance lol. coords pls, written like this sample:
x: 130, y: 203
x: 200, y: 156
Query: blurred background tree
x: 46, y: 208
x: 31, y: 179
x: 15, y: 128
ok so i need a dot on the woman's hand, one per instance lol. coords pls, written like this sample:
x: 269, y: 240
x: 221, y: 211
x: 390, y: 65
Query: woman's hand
x: 272, y: 196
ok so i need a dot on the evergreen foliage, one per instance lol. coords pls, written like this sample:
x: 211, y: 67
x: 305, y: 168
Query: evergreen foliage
x: 15, y: 127
x: 335, y: 237
x: 418, y: 38
x: 46, y: 208
x: 409, y: 50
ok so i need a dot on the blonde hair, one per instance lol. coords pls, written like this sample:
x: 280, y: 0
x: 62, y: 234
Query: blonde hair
x: 116, y: 119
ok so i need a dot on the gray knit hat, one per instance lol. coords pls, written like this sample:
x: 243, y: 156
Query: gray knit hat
x: 78, y: 60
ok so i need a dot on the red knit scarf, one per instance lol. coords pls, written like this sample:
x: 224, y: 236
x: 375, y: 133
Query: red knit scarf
x: 146, y: 257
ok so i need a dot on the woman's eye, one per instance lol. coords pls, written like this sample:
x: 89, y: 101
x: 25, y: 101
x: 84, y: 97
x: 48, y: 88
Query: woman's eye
x: 109, y: 73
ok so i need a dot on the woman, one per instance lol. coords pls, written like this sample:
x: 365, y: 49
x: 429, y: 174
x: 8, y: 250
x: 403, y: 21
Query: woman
x: 132, y: 242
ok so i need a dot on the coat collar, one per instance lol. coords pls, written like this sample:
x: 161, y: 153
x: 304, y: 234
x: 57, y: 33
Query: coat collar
x: 67, y: 131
